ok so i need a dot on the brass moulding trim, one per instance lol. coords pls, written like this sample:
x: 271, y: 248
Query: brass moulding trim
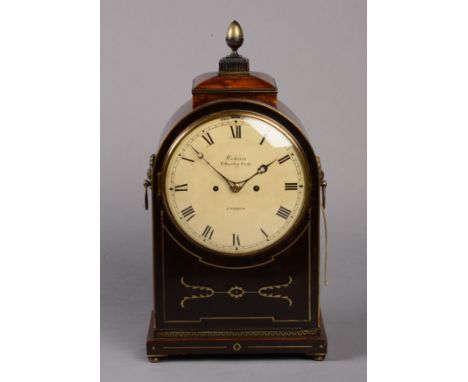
x: 235, y: 91
x: 236, y: 292
x: 240, y: 333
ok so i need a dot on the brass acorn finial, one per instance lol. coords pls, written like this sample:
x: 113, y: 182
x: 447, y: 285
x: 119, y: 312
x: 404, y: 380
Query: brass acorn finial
x: 234, y: 36
x: 234, y: 62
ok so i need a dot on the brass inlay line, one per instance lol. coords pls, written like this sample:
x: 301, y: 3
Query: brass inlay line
x: 236, y: 291
x: 279, y: 346
x: 194, y: 347
x: 163, y: 268
x: 273, y: 319
x: 309, y: 276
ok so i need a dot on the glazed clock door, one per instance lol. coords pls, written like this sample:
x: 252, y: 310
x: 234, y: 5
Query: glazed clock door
x: 235, y: 183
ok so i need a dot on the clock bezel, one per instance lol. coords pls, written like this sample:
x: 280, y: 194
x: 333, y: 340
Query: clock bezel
x: 216, y: 116
x: 214, y: 110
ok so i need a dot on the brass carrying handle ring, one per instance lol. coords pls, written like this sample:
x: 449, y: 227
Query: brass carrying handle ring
x: 148, y: 183
x: 325, y: 233
x: 323, y: 186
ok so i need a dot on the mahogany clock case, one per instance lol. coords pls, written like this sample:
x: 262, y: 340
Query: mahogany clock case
x: 150, y: 52
x: 207, y: 303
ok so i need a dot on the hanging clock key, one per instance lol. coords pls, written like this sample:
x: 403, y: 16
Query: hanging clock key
x: 237, y: 192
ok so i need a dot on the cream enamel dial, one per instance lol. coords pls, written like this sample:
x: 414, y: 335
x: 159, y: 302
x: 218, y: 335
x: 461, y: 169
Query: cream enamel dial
x: 235, y: 183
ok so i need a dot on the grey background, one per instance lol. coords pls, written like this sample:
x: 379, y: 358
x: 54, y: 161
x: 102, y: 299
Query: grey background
x: 151, y: 50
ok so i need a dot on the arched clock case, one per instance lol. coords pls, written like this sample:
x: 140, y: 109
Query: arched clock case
x: 263, y: 299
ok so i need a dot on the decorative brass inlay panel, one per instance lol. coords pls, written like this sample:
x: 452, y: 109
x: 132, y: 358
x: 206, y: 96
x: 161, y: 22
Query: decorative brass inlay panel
x: 209, y: 292
x: 267, y: 291
x: 200, y: 319
x: 240, y: 333
x: 236, y: 291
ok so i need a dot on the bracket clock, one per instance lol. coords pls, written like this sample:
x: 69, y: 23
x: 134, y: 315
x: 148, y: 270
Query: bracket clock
x: 236, y: 195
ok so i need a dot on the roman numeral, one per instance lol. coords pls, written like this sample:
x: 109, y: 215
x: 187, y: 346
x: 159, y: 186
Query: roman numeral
x: 264, y: 233
x: 188, y: 213
x: 187, y: 159
x: 235, y: 239
x: 283, y: 212
x: 208, y: 139
x: 261, y: 142
x: 284, y: 159
x: 181, y: 187
x: 236, y: 131
x: 208, y: 232
x: 290, y: 186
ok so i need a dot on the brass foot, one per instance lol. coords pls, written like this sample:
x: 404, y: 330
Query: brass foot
x: 156, y: 357
x: 317, y: 357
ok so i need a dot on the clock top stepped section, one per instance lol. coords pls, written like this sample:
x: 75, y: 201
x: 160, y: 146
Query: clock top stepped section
x: 234, y: 79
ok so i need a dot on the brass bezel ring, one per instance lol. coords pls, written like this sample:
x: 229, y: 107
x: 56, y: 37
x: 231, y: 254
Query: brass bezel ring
x: 219, y: 114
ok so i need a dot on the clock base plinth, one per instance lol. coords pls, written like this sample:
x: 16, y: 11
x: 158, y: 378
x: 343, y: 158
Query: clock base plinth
x: 161, y: 344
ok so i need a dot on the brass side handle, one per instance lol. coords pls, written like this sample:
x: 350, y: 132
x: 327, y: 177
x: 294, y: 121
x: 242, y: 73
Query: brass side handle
x: 148, y: 182
x: 323, y: 186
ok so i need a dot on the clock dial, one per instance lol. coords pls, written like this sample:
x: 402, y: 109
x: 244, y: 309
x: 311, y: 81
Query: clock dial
x: 235, y: 183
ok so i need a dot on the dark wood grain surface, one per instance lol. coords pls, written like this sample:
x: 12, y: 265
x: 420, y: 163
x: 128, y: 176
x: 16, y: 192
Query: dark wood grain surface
x: 209, y: 303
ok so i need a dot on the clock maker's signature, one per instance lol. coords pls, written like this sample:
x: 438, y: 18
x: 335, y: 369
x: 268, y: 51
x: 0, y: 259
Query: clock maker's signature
x: 235, y: 208
x: 235, y: 160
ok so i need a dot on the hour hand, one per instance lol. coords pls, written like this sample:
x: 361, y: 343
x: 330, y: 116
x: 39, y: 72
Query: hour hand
x: 262, y: 169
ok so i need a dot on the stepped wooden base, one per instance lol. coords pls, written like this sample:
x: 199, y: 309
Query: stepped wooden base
x: 161, y: 344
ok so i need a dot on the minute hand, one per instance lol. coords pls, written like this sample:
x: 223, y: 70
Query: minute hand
x: 261, y: 170
x: 232, y: 185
